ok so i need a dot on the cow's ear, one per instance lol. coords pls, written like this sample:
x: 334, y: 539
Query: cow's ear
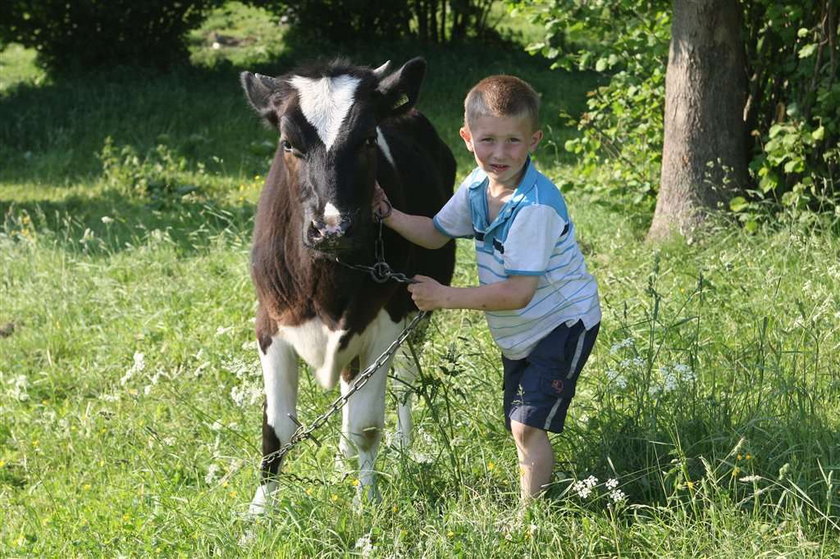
x: 259, y: 90
x: 400, y: 89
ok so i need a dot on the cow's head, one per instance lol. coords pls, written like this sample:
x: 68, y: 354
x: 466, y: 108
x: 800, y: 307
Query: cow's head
x: 328, y: 121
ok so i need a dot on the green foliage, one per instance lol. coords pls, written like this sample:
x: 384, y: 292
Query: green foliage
x: 160, y: 177
x: 352, y: 21
x: 626, y: 42
x: 793, y: 110
x: 84, y: 34
x: 792, y: 105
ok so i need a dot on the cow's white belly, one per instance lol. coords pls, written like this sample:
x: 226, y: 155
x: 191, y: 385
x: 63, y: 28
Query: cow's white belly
x: 318, y: 346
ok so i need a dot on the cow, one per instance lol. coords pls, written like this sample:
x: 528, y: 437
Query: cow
x: 342, y: 129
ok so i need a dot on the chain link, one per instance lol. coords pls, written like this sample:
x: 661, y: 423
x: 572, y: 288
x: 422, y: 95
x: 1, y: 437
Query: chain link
x: 380, y: 272
x: 303, y: 432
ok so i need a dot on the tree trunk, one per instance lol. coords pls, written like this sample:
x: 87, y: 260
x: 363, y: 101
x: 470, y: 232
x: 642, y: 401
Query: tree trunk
x: 704, y: 156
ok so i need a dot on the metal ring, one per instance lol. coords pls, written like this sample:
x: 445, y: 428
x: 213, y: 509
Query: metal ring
x: 380, y: 272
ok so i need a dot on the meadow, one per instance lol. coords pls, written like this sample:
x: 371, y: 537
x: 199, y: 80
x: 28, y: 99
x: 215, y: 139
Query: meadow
x: 707, y: 423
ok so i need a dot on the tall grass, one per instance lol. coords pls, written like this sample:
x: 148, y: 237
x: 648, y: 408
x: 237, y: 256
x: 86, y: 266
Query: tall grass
x: 705, y: 424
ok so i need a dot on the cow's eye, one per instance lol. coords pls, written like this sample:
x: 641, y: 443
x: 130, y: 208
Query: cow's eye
x: 289, y: 148
x: 371, y: 142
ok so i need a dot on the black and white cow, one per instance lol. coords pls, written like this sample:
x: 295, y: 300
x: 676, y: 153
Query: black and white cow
x: 342, y: 128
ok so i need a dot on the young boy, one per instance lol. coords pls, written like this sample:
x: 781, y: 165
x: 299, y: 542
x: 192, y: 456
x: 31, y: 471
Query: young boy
x: 541, y: 304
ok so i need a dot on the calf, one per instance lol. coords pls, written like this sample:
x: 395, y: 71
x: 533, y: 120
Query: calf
x: 342, y: 129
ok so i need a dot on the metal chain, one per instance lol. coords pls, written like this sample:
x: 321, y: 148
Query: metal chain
x: 303, y: 432
x: 381, y: 271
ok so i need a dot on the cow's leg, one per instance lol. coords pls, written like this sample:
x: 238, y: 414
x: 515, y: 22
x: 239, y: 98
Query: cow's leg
x: 280, y: 375
x: 364, y: 414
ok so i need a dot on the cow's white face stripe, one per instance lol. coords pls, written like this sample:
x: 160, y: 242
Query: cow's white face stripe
x: 325, y: 103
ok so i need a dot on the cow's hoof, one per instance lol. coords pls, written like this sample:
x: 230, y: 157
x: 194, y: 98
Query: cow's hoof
x: 263, y: 499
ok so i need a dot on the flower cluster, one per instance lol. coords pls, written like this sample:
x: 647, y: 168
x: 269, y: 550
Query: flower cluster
x: 587, y: 487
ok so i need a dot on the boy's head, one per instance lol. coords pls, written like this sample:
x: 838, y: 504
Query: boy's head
x: 501, y: 96
x: 501, y: 127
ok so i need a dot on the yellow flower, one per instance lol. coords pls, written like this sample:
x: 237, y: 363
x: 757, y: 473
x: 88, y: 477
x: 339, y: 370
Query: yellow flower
x: 308, y: 491
x: 334, y: 498
x: 689, y: 484
x: 2, y: 463
x: 394, y: 508
x: 748, y: 457
x: 491, y: 466
x: 735, y: 471
x: 356, y: 482
x: 739, y: 457
x: 86, y: 487
x: 450, y: 534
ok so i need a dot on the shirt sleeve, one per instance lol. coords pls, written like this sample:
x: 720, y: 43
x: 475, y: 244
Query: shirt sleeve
x: 531, y: 241
x: 454, y: 219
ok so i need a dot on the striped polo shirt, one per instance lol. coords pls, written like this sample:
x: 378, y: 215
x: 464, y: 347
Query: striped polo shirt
x: 531, y: 236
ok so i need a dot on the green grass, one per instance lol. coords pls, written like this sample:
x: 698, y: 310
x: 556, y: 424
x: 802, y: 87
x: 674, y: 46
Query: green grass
x: 129, y: 388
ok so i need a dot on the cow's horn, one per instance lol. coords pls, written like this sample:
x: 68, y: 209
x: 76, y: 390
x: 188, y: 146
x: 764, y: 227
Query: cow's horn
x: 380, y: 72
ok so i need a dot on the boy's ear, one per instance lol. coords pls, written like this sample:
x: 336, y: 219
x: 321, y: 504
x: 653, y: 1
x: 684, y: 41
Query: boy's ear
x: 400, y: 90
x: 535, y: 139
x: 466, y: 136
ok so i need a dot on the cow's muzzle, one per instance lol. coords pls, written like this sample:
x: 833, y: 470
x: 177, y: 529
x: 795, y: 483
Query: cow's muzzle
x: 330, y: 234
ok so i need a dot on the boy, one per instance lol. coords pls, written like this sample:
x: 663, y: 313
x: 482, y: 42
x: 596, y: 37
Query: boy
x: 541, y: 304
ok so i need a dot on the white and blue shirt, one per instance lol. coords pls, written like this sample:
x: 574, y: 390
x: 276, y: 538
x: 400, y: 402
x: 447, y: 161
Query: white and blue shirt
x: 531, y: 236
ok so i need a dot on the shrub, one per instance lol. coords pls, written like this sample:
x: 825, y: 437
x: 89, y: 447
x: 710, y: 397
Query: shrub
x: 73, y: 35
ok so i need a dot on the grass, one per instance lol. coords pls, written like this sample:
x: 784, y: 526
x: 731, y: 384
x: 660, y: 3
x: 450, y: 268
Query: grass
x: 129, y: 383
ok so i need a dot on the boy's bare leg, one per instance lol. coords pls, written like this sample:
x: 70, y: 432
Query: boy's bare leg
x: 536, y: 459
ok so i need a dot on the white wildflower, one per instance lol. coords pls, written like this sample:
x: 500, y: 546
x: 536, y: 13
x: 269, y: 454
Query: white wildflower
x: 583, y: 491
x: 365, y: 545
x: 212, y: 474
x: 19, y: 392
x: 750, y: 479
x: 613, y: 377
x: 617, y: 495
x: 611, y: 483
x: 107, y: 220
x: 628, y: 342
x: 137, y: 367
x: 221, y: 330
x: 591, y: 481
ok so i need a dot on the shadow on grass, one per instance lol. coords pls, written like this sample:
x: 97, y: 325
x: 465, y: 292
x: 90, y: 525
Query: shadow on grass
x: 659, y: 463
x: 110, y: 222
x: 51, y: 134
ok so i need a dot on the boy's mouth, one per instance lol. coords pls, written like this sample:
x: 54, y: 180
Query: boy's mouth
x: 499, y: 168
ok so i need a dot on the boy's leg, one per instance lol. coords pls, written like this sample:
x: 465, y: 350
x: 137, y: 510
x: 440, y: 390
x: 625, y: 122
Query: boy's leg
x: 538, y: 390
x: 536, y: 459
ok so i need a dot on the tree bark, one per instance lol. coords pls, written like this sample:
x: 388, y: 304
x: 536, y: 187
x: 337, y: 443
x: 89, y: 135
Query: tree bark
x: 704, y: 156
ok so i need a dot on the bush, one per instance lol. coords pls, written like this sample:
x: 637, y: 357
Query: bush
x: 347, y: 21
x: 73, y: 35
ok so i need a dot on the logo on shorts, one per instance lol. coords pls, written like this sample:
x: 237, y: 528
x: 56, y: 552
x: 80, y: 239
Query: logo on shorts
x: 557, y: 385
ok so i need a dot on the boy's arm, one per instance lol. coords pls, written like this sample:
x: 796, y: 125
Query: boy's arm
x: 418, y: 229
x: 511, y: 294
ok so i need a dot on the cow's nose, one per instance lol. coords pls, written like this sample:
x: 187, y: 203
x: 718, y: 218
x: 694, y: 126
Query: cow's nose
x: 325, y: 232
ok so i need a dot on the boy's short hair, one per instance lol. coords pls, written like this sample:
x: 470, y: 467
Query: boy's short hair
x: 502, y: 95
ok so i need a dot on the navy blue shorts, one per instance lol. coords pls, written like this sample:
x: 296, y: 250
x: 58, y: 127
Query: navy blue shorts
x: 539, y: 388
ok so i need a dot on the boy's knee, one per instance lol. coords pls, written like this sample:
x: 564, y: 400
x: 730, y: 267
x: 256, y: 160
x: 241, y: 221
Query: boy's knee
x: 523, y: 434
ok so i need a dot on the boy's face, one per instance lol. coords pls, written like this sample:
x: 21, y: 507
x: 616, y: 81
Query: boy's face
x: 501, y: 145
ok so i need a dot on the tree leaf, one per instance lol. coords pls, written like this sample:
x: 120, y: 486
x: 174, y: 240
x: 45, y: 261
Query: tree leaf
x: 737, y: 204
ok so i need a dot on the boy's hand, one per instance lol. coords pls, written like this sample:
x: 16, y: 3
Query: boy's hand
x: 427, y: 293
x: 381, y: 205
